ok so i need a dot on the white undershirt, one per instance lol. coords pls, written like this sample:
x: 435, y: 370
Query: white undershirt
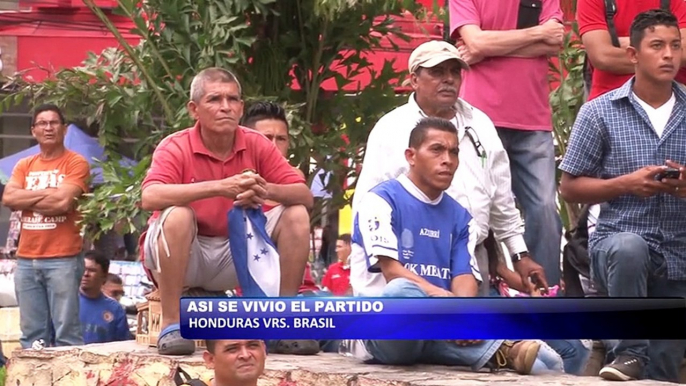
x: 658, y: 116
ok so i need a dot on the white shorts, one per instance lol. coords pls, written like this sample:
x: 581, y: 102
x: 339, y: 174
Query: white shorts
x: 210, y: 266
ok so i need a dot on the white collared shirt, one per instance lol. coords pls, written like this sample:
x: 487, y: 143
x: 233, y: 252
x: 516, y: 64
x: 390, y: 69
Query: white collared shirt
x: 482, y: 184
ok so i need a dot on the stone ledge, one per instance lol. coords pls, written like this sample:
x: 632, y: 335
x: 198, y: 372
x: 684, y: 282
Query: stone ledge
x: 130, y: 364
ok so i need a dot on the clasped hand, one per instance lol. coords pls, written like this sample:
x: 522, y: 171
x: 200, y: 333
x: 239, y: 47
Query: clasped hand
x: 249, y: 190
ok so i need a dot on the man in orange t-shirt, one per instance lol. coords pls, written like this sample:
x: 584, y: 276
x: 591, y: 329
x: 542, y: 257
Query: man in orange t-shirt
x: 45, y: 187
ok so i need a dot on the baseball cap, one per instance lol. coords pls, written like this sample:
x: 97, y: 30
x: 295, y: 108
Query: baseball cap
x: 433, y: 53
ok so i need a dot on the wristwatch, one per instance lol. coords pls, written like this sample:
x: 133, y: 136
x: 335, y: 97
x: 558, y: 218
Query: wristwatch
x: 519, y: 256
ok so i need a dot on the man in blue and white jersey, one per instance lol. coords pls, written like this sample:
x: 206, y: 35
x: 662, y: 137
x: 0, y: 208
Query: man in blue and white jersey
x: 419, y: 239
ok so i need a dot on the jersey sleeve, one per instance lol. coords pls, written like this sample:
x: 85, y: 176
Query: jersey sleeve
x: 375, y: 222
x: 122, y: 331
x: 463, y: 245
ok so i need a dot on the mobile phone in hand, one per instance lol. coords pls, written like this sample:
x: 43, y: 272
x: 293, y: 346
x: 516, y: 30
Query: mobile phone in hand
x: 669, y: 173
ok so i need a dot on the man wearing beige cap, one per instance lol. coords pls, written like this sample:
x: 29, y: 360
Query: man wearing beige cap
x: 482, y: 181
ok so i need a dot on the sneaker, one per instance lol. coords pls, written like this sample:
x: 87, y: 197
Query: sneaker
x: 624, y: 368
x: 518, y: 356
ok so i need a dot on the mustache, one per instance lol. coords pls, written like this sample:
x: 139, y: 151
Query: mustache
x: 448, y: 88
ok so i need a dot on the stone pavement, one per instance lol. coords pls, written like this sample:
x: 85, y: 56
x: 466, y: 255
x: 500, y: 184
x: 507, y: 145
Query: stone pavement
x: 130, y: 364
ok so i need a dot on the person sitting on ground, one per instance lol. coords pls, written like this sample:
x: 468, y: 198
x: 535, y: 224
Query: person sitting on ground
x: 622, y: 144
x: 114, y: 287
x: 269, y: 119
x: 196, y: 177
x: 337, y: 278
x: 102, y: 318
x: 409, y: 227
x: 235, y: 362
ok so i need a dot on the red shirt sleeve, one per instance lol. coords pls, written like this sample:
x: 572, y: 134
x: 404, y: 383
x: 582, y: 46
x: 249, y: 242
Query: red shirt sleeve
x: 678, y: 8
x: 462, y: 13
x: 165, y: 167
x: 273, y: 167
x: 590, y: 15
x: 326, y: 280
x: 551, y: 10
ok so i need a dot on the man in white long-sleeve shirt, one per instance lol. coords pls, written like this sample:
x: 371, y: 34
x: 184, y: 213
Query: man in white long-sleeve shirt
x: 482, y: 183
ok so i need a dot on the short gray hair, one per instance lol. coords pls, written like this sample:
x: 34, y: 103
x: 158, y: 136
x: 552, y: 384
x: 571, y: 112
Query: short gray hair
x: 212, y: 74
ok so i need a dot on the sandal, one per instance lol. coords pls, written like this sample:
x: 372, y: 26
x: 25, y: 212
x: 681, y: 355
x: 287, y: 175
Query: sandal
x: 297, y: 347
x: 170, y: 342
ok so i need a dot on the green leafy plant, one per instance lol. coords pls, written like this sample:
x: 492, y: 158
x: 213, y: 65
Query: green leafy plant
x: 566, y: 100
x: 288, y: 51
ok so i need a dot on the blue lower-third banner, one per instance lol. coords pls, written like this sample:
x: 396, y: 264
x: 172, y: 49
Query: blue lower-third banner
x: 432, y: 318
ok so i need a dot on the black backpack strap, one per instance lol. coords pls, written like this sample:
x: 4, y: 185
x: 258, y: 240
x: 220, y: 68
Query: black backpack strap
x: 182, y: 378
x: 610, y: 11
x: 665, y: 5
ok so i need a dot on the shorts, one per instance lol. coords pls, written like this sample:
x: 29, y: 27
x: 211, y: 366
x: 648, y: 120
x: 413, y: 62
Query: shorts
x: 210, y: 266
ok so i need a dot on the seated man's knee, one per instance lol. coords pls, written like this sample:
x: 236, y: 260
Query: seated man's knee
x: 403, y: 288
x: 295, y: 218
x: 178, y: 226
x: 179, y: 218
x: 629, y: 250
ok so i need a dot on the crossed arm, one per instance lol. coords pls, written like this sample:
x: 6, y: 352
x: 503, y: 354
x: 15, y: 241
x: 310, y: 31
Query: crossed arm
x: 48, y: 202
x: 476, y: 44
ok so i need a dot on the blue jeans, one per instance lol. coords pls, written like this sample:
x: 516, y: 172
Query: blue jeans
x: 574, y: 354
x: 48, y: 296
x: 436, y: 352
x: 439, y: 352
x: 572, y: 351
x: 624, y: 266
x: 532, y: 165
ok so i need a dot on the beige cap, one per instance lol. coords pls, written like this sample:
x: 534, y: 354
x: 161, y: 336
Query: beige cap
x: 433, y: 53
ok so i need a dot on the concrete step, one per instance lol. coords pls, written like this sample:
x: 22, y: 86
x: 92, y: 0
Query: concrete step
x: 130, y: 364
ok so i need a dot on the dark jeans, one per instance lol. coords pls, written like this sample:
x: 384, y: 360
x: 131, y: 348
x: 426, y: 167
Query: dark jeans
x: 624, y: 266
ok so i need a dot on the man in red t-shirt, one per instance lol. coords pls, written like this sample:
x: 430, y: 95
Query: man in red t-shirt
x: 197, y: 175
x: 337, y: 278
x: 611, y: 65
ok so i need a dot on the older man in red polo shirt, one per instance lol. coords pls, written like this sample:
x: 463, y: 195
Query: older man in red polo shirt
x: 195, y: 178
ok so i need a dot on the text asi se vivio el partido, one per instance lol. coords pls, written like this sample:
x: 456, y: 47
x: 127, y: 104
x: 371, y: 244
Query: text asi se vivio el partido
x: 255, y: 313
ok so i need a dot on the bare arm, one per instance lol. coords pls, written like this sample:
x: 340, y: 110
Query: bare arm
x: 161, y: 196
x: 604, y: 56
x: 464, y: 286
x: 291, y: 194
x: 537, y: 49
x: 392, y: 269
x: 17, y: 198
x: 498, y: 43
x: 58, y: 201
x: 589, y: 190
